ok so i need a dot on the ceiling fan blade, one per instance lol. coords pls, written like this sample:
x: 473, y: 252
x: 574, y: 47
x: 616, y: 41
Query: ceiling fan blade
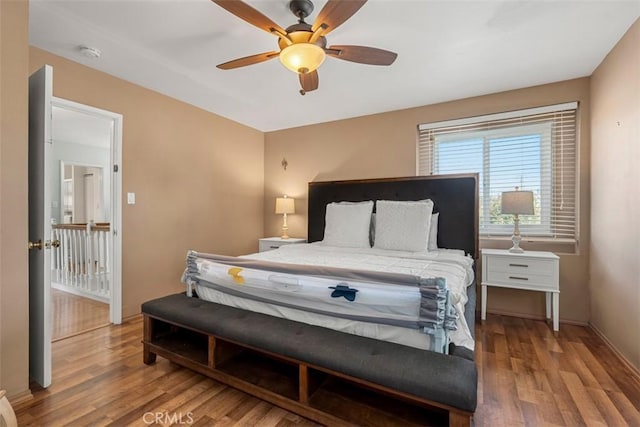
x: 248, y: 60
x: 308, y: 81
x: 334, y: 13
x: 362, y: 54
x: 250, y: 15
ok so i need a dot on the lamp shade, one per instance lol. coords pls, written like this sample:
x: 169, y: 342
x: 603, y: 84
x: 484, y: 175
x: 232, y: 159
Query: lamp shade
x: 285, y: 205
x: 517, y: 202
x: 302, y: 57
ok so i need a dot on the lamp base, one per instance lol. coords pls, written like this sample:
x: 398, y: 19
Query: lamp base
x: 516, y: 249
x: 284, y: 233
x: 285, y: 228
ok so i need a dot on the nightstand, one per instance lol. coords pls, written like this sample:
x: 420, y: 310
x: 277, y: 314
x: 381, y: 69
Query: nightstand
x: 271, y: 243
x: 531, y: 270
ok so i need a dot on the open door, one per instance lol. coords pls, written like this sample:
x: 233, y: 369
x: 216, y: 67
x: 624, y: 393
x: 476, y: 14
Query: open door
x: 40, y: 96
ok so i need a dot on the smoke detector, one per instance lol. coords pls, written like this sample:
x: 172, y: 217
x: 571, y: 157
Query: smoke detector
x: 90, y: 52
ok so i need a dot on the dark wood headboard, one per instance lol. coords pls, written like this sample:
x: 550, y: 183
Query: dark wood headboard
x: 454, y: 196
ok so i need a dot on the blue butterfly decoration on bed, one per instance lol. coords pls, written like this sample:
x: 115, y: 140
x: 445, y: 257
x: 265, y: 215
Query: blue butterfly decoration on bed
x: 343, y: 291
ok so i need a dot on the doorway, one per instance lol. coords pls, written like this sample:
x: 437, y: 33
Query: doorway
x: 44, y: 207
x: 85, y: 280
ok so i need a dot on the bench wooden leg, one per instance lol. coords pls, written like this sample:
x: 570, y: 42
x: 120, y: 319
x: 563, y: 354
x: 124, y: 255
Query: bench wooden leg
x: 459, y: 419
x: 211, y: 357
x: 303, y: 384
x: 148, y: 357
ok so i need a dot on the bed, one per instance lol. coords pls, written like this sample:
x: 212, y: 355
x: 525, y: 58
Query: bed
x: 434, y: 314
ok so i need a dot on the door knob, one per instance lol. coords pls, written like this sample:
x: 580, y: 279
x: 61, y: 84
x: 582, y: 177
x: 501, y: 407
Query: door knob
x: 35, y: 245
x: 48, y: 244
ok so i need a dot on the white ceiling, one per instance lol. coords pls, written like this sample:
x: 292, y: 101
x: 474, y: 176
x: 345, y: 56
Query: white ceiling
x: 446, y: 50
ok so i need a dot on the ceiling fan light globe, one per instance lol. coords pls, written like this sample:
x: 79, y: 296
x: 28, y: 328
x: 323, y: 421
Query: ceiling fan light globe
x: 301, y: 56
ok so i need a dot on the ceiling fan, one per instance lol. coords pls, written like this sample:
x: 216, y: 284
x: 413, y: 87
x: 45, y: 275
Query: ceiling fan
x: 303, y: 47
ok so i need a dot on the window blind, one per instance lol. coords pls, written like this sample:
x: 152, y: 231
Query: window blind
x: 533, y: 149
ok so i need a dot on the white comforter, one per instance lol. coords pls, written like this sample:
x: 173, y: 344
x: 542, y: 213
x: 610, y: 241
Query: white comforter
x: 449, y: 264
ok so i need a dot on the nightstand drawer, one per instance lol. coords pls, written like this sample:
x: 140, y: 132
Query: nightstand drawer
x: 271, y: 243
x: 520, y: 266
x: 268, y: 246
x: 521, y: 279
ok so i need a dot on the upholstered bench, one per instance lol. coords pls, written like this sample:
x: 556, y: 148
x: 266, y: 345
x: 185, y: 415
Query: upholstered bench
x: 447, y: 382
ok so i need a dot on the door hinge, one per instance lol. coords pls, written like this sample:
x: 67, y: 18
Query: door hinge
x: 115, y: 232
x: 115, y: 168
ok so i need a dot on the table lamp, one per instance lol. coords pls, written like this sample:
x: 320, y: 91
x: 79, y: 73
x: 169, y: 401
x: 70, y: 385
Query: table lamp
x: 517, y: 203
x: 285, y: 205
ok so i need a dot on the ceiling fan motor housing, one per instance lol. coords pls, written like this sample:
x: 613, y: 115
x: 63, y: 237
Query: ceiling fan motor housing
x: 301, y: 33
x: 301, y: 8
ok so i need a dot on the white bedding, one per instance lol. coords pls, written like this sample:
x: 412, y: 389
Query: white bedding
x: 449, y: 264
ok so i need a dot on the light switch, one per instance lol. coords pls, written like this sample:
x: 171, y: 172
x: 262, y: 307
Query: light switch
x: 131, y: 198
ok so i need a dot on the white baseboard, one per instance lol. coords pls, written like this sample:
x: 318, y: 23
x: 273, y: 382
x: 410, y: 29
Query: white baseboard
x: 79, y: 292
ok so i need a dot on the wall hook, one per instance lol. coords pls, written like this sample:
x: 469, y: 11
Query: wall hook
x: 284, y: 163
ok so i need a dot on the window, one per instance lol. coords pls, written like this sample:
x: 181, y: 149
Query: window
x: 532, y: 149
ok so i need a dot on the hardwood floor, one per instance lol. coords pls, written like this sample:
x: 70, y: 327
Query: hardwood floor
x: 72, y: 314
x: 528, y: 376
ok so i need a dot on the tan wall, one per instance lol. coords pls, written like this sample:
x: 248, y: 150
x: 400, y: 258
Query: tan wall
x: 14, y: 285
x: 615, y: 198
x: 198, y: 178
x: 384, y: 145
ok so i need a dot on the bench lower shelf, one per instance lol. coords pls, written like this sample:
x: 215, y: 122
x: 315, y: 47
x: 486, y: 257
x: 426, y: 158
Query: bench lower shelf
x: 322, y: 395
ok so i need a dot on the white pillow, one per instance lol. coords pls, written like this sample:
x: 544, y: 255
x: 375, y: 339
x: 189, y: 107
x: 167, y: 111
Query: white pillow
x: 347, y: 224
x: 433, y: 233
x: 403, y: 226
